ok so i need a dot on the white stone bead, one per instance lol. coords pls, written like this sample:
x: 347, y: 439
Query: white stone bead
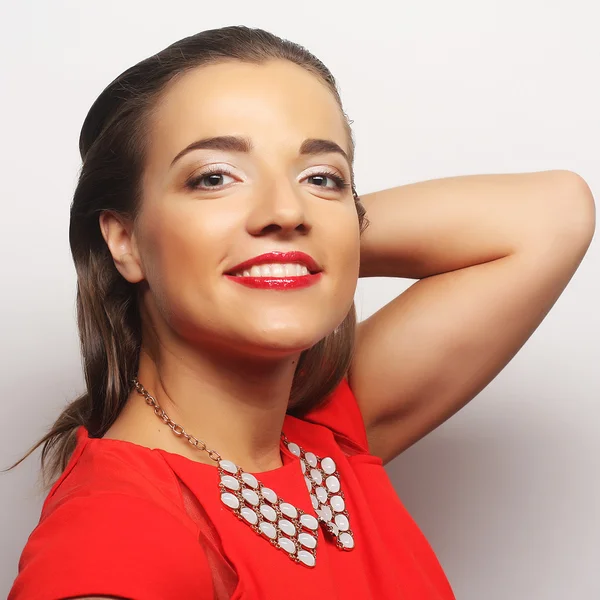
x: 250, y: 480
x: 311, y: 459
x: 309, y: 521
x: 249, y: 515
x: 230, y: 500
x: 321, y: 493
x: 308, y: 483
x: 288, y: 510
x: 316, y: 476
x: 333, y: 484
x: 333, y: 528
x: 328, y: 465
x: 326, y: 513
x: 294, y: 449
x: 250, y: 496
x: 307, y: 540
x: 337, y: 503
x: 227, y: 465
x: 287, y: 545
x: 303, y: 466
x: 314, y: 501
x: 347, y: 540
x: 267, y: 512
x: 268, y: 529
x: 269, y: 495
x: 342, y: 522
x: 306, y: 557
x: 230, y: 482
x: 287, y: 527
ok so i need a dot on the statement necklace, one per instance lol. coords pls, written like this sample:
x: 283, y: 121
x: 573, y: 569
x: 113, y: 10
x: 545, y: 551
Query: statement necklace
x: 287, y: 527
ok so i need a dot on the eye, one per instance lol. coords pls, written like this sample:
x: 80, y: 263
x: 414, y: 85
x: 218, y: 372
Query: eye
x: 320, y: 180
x: 211, y: 178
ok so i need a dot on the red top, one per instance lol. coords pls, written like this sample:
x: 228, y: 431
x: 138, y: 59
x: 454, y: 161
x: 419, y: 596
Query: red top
x: 145, y: 524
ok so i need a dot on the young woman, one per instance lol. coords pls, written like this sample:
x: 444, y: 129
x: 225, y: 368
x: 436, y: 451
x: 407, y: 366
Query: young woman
x: 232, y: 436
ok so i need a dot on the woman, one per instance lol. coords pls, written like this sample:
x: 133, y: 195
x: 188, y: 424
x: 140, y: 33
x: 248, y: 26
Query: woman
x: 232, y: 437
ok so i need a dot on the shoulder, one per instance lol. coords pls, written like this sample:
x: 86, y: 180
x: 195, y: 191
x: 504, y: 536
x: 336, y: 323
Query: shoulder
x: 102, y: 466
x: 113, y: 524
x: 340, y: 413
x: 111, y: 544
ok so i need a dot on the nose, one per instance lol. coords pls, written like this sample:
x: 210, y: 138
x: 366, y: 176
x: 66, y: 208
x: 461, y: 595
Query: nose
x: 279, y: 207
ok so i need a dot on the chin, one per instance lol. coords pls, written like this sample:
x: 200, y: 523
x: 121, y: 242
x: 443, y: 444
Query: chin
x: 287, y: 339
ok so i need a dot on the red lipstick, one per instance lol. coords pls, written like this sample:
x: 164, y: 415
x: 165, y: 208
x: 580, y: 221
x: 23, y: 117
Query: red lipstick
x: 277, y: 283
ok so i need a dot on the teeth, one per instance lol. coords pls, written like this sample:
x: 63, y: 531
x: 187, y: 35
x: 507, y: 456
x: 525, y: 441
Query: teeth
x: 275, y: 270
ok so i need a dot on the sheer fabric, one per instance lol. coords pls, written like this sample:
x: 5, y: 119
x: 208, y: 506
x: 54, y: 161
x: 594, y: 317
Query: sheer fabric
x: 224, y: 577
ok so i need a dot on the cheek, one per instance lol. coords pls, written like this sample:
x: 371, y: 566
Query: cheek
x: 344, y: 261
x: 181, y: 257
x: 346, y: 241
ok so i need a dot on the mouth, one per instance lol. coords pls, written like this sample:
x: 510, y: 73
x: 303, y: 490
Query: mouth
x: 277, y: 271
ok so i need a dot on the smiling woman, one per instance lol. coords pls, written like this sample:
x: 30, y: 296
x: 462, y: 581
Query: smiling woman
x: 232, y: 436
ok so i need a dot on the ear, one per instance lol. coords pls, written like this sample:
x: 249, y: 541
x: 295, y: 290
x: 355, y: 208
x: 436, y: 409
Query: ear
x: 120, y: 239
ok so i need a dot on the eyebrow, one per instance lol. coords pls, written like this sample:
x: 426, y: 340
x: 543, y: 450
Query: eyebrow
x: 231, y: 143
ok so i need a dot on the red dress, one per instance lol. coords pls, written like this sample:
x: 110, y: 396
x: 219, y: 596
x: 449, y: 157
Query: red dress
x: 132, y: 522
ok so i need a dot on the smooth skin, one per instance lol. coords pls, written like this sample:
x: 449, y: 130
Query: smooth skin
x: 492, y: 254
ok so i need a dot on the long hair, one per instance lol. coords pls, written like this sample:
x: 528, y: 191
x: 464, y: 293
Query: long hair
x: 112, y: 144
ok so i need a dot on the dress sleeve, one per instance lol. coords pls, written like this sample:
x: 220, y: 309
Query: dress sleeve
x: 341, y: 413
x: 114, y: 545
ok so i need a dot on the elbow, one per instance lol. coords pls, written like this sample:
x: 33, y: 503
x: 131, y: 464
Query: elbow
x: 577, y: 206
x: 574, y: 217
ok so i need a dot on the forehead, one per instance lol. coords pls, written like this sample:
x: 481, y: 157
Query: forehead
x: 277, y: 104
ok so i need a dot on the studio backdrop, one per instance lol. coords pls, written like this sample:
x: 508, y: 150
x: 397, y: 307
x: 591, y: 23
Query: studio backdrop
x: 507, y: 491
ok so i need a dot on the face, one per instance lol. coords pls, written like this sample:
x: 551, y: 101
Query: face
x: 227, y: 202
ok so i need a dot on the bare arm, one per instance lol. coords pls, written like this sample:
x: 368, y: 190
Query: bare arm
x: 492, y: 254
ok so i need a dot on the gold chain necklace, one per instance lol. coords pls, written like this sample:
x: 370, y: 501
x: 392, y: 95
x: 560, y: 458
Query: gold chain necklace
x: 287, y: 527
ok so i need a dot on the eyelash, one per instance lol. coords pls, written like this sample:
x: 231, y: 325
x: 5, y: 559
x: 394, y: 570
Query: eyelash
x: 341, y: 183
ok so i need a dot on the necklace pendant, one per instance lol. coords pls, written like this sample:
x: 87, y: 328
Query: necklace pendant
x: 287, y: 527
x: 323, y: 483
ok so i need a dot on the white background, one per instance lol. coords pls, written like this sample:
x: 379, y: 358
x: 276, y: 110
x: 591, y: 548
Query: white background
x: 508, y: 491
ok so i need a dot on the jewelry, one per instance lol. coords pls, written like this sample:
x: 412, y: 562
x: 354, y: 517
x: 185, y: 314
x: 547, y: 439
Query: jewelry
x: 287, y: 527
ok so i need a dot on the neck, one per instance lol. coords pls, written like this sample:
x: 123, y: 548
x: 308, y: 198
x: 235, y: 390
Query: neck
x: 237, y: 407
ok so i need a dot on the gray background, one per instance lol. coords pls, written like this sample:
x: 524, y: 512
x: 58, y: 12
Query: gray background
x: 507, y: 491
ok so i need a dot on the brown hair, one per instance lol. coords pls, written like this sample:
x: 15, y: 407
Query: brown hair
x: 112, y: 144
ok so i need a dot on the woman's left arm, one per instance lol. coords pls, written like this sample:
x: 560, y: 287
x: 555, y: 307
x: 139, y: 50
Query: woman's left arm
x: 492, y: 254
